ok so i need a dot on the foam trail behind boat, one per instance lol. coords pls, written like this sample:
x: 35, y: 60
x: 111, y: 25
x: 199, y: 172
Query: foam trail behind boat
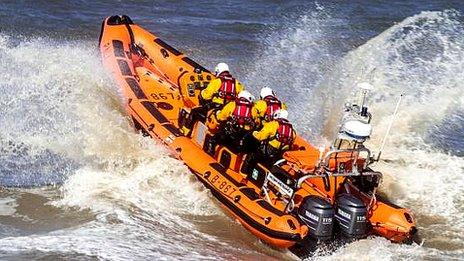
x: 62, y: 122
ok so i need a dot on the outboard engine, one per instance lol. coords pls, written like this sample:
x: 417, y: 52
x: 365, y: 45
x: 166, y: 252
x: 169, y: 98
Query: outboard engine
x: 351, y: 216
x: 317, y: 213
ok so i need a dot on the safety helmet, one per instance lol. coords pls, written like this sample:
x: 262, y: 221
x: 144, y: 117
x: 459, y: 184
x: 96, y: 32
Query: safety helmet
x: 220, y: 68
x: 246, y: 95
x: 281, y: 114
x: 266, y: 91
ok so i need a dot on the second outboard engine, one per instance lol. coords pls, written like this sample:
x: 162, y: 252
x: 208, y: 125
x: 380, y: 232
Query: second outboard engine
x: 351, y: 216
x: 317, y: 213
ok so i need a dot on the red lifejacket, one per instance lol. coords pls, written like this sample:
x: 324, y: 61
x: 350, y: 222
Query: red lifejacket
x: 273, y: 105
x: 228, y: 90
x: 242, y: 114
x: 284, y: 133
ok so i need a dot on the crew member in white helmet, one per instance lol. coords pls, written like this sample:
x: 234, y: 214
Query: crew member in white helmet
x: 268, y: 104
x: 218, y: 93
x: 275, y: 137
x: 236, y: 120
x: 223, y: 89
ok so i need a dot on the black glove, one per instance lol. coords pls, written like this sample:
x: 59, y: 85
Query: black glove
x: 250, y: 142
x: 202, y: 101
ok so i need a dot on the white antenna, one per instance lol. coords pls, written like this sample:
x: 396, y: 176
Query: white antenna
x: 395, y: 113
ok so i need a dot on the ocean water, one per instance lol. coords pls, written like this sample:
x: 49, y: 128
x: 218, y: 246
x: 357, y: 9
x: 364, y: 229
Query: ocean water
x: 76, y: 182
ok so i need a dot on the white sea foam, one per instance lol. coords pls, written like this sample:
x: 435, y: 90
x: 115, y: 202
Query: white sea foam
x: 66, y: 106
x: 421, y: 57
x: 57, y: 99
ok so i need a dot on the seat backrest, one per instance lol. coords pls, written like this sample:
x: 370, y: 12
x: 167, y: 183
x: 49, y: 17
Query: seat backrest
x: 190, y: 85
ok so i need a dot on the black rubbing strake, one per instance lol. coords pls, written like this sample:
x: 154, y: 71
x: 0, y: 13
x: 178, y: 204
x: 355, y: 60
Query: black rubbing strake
x: 161, y: 119
x: 135, y: 87
x: 165, y: 106
x: 118, y: 48
x: 172, y: 129
x: 155, y: 112
x: 101, y: 33
x: 194, y: 64
x: 167, y: 47
x: 219, y: 168
x: 124, y: 68
x: 263, y: 203
x: 250, y: 193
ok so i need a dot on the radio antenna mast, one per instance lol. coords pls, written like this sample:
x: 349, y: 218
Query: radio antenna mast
x: 395, y: 113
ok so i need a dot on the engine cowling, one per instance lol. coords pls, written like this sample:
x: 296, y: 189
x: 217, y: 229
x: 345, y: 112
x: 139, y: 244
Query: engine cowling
x: 351, y: 216
x: 317, y: 213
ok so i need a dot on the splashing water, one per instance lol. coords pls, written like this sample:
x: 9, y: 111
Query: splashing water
x: 422, y: 57
x: 59, y: 116
x: 51, y: 94
x: 293, y: 64
x: 62, y: 118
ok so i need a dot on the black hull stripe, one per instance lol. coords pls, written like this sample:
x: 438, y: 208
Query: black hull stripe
x: 194, y: 64
x: 161, y: 119
x: 118, y: 49
x: 101, y: 33
x: 263, y: 229
x: 172, y: 129
x: 250, y: 193
x: 135, y: 87
x: 167, y: 47
x: 155, y: 112
x: 219, y: 168
x: 264, y: 204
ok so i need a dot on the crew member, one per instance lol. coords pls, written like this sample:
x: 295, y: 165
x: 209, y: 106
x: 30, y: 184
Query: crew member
x: 235, y: 120
x: 268, y: 104
x: 218, y: 93
x: 221, y: 90
x: 275, y: 138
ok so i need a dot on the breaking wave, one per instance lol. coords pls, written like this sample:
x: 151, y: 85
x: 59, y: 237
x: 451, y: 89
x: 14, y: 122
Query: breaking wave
x: 62, y: 118
x: 62, y: 122
x: 421, y: 57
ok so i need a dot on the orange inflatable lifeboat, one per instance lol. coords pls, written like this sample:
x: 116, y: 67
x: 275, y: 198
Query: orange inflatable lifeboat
x: 307, y: 197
